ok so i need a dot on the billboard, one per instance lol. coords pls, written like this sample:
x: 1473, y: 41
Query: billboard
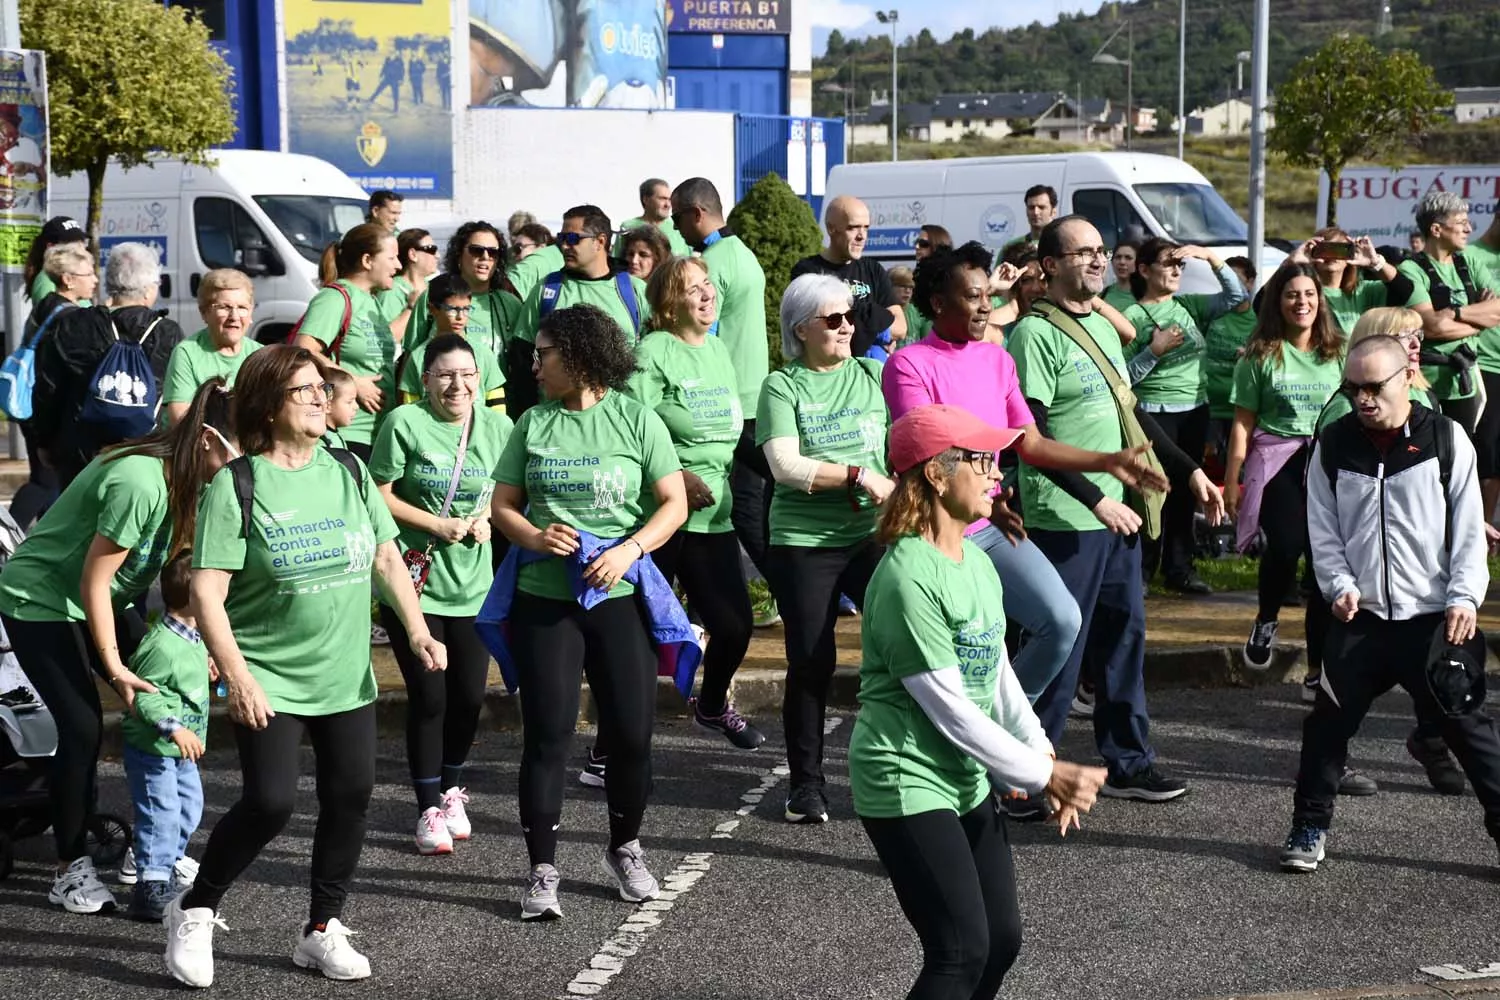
x: 369, y: 88
x: 23, y: 154
x: 1381, y: 203
x: 730, y: 17
x: 568, y: 53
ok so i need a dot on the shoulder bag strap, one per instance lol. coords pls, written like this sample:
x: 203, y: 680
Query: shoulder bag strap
x: 1075, y: 331
x: 458, y: 467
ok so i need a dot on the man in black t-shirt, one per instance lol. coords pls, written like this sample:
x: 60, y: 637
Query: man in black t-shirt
x: 879, y: 320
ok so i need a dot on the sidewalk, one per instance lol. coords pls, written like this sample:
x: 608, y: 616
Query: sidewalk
x: 1476, y: 989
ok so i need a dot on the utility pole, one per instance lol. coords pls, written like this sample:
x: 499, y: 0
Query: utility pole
x: 891, y: 17
x: 1181, y: 77
x: 1259, y: 67
x: 13, y: 284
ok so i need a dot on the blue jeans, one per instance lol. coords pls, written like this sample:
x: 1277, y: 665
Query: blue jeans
x: 1103, y: 572
x: 1038, y: 601
x: 168, y: 797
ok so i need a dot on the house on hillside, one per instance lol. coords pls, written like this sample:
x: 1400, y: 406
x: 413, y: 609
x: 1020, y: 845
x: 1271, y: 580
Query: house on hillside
x: 1229, y: 117
x: 874, y: 126
x: 990, y: 116
x: 1093, y: 120
x: 1472, y: 104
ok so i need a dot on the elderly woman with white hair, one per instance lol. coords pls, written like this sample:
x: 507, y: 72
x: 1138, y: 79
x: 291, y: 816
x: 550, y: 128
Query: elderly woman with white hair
x: 822, y: 422
x: 69, y: 423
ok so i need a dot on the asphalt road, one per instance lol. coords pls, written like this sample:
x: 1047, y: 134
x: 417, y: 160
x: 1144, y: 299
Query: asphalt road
x: 1150, y: 902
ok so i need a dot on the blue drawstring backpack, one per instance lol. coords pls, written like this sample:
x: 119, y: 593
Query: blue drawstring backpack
x: 18, y: 371
x: 122, y: 399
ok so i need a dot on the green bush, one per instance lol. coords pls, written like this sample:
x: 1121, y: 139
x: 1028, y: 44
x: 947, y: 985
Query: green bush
x: 780, y: 229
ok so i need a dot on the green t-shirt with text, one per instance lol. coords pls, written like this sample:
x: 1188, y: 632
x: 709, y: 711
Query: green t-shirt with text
x: 491, y: 378
x: 178, y: 667
x: 741, y: 284
x: 693, y: 390
x: 125, y: 500
x: 1347, y: 308
x: 1178, y: 377
x: 923, y: 612
x: 392, y: 301
x: 1443, y: 378
x: 837, y: 416
x: 195, y: 360
x: 1081, y: 412
x: 299, y: 597
x: 593, y: 469
x: 1223, y: 341
x: 679, y: 245
x: 367, y: 350
x: 527, y: 274
x: 415, y: 450
x: 917, y: 325
x: 1287, y: 396
x: 602, y: 292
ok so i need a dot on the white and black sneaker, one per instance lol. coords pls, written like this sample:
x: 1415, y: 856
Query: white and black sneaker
x: 1147, y: 785
x: 806, y: 805
x: 592, y: 774
x: 1257, y: 651
x: 77, y: 889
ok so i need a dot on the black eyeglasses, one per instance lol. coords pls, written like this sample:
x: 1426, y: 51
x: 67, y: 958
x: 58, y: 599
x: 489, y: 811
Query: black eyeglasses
x: 835, y: 320
x: 537, y: 354
x: 1372, y: 389
x: 428, y: 248
x: 479, y: 251
x: 980, y: 461
x: 310, y: 392
x: 456, y: 311
x: 573, y: 239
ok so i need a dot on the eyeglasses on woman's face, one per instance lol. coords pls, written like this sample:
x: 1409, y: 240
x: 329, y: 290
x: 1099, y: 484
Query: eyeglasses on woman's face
x: 980, y: 461
x: 452, y: 376
x: 310, y: 392
x: 538, y: 353
x: 836, y: 321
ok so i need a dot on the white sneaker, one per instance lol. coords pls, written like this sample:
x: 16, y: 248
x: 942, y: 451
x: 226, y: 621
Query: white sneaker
x: 379, y: 636
x: 432, y: 833
x: 184, y: 873
x: 190, y: 942
x: 627, y: 864
x: 128, y: 875
x: 459, y: 827
x: 77, y: 889
x: 330, y: 952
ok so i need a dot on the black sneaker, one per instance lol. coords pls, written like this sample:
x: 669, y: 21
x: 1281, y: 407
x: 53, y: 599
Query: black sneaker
x: 1026, y: 810
x: 807, y: 805
x: 1148, y: 785
x: 148, y: 900
x: 731, y: 725
x: 1192, y: 584
x: 1443, y: 773
x: 1356, y: 784
x: 1257, y: 651
x: 593, y: 771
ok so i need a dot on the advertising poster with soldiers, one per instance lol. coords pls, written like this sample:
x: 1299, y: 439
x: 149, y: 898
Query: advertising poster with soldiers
x: 568, y: 53
x: 369, y: 88
x: 23, y: 153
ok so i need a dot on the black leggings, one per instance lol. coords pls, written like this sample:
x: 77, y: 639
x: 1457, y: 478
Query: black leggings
x: 807, y: 583
x: 60, y: 661
x: 344, y: 765
x: 956, y: 883
x: 40, y: 489
x: 442, y: 706
x: 1283, y: 517
x: 709, y: 569
x: 1487, y: 434
x: 555, y: 643
x: 1174, y: 550
x: 750, y: 483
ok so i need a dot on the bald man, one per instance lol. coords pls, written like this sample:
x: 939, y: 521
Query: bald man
x: 879, y: 320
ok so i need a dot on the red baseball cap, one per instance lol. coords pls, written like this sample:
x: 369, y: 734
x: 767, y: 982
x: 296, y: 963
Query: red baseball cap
x: 931, y: 430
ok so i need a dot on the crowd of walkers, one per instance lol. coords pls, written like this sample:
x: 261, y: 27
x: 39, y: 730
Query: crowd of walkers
x: 571, y: 455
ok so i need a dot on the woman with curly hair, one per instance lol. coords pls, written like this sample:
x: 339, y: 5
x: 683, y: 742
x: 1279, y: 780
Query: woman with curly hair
x: 477, y: 254
x: 588, y: 483
x: 645, y: 249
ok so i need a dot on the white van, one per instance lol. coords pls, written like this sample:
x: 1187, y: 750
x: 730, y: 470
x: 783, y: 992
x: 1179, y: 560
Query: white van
x: 268, y: 214
x: 1126, y: 195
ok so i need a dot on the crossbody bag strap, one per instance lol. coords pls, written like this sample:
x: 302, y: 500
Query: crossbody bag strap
x: 453, y: 480
x: 1074, y: 331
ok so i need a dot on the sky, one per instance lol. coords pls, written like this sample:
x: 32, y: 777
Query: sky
x: 943, y: 18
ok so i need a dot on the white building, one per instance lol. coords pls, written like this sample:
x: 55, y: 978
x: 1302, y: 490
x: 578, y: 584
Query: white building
x: 1472, y: 104
x: 1228, y: 117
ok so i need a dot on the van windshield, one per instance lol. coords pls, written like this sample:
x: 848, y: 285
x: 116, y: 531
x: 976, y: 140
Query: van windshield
x: 1193, y: 213
x: 311, y: 222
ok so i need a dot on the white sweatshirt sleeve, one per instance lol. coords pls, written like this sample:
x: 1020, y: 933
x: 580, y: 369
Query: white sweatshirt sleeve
x: 1013, y: 761
x: 1468, y: 569
x: 1330, y: 564
x: 789, y: 466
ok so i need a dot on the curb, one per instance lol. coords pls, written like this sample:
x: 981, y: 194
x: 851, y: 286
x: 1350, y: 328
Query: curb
x: 1476, y: 988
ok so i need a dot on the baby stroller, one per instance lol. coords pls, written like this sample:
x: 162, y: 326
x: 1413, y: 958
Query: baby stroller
x: 28, y: 736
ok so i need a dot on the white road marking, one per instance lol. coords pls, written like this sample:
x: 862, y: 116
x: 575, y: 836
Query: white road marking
x: 1457, y: 972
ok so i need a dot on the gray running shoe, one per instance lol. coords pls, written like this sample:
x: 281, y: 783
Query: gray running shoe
x: 539, y: 901
x: 627, y: 864
x: 1304, y: 848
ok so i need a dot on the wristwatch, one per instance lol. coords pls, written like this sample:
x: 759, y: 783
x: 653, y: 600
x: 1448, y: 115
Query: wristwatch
x: 1458, y: 314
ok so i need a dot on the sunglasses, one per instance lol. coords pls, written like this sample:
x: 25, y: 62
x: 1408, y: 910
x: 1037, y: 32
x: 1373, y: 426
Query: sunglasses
x: 427, y: 248
x: 573, y: 239
x: 835, y: 320
x: 478, y: 251
x: 1372, y: 389
x: 923, y: 244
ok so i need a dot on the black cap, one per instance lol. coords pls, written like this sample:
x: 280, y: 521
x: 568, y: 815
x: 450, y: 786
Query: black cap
x: 61, y: 229
x: 1455, y: 671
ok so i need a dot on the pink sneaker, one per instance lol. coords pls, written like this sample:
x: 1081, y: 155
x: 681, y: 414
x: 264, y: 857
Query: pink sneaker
x: 432, y: 833
x: 454, y: 815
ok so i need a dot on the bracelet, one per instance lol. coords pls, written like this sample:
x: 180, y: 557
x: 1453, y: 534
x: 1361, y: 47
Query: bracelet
x: 639, y: 547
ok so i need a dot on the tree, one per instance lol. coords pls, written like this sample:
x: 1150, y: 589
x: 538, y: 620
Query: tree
x: 780, y: 229
x: 1350, y: 101
x: 125, y: 79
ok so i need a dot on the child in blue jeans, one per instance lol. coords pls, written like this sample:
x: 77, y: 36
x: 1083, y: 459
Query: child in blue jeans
x: 163, y: 741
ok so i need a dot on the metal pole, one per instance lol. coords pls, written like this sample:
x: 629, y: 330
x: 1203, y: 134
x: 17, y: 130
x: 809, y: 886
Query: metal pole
x: 895, y: 95
x: 1129, y: 84
x: 1258, y: 72
x: 1181, y: 77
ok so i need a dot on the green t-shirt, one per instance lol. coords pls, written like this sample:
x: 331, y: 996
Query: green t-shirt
x: 1348, y: 308
x: 679, y: 245
x: 334, y: 439
x: 299, y: 598
x: 178, y: 666
x: 1286, y: 398
x: 693, y: 390
x: 837, y: 416
x: 602, y: 292
x: 42, y: 286
x: 1339, y: 405
x: 493, y: 317
x: 1120, y: 298
x: 741, y: 284
x: 917, y: 325
x: 1444, y: 379
x: 367, y: 350
x: 593, y: 469
x: 1222, y: 343
x: 415, y: 450
x: 392, y: 301
x: 1178, y: 376
x: 491, y: 378
x: 1484, y: 270
x: 1081, y: 412
x: 527, y: 274
x: 124, y: 500
x: 923, y: 612
x: 195, y: 360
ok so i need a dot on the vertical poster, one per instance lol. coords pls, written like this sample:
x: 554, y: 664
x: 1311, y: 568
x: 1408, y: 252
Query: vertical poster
x: 568, y: 53
x: 23, y: 154
x: 369, y: 87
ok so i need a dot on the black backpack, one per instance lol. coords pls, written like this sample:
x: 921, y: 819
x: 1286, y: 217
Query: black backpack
x: 244, y: 482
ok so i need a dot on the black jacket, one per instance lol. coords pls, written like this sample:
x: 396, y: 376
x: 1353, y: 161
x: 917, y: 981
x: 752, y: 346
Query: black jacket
x: 65, y: 363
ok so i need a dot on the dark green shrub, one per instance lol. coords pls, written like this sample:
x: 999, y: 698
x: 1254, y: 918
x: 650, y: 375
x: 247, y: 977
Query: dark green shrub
x: 780, y: 229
